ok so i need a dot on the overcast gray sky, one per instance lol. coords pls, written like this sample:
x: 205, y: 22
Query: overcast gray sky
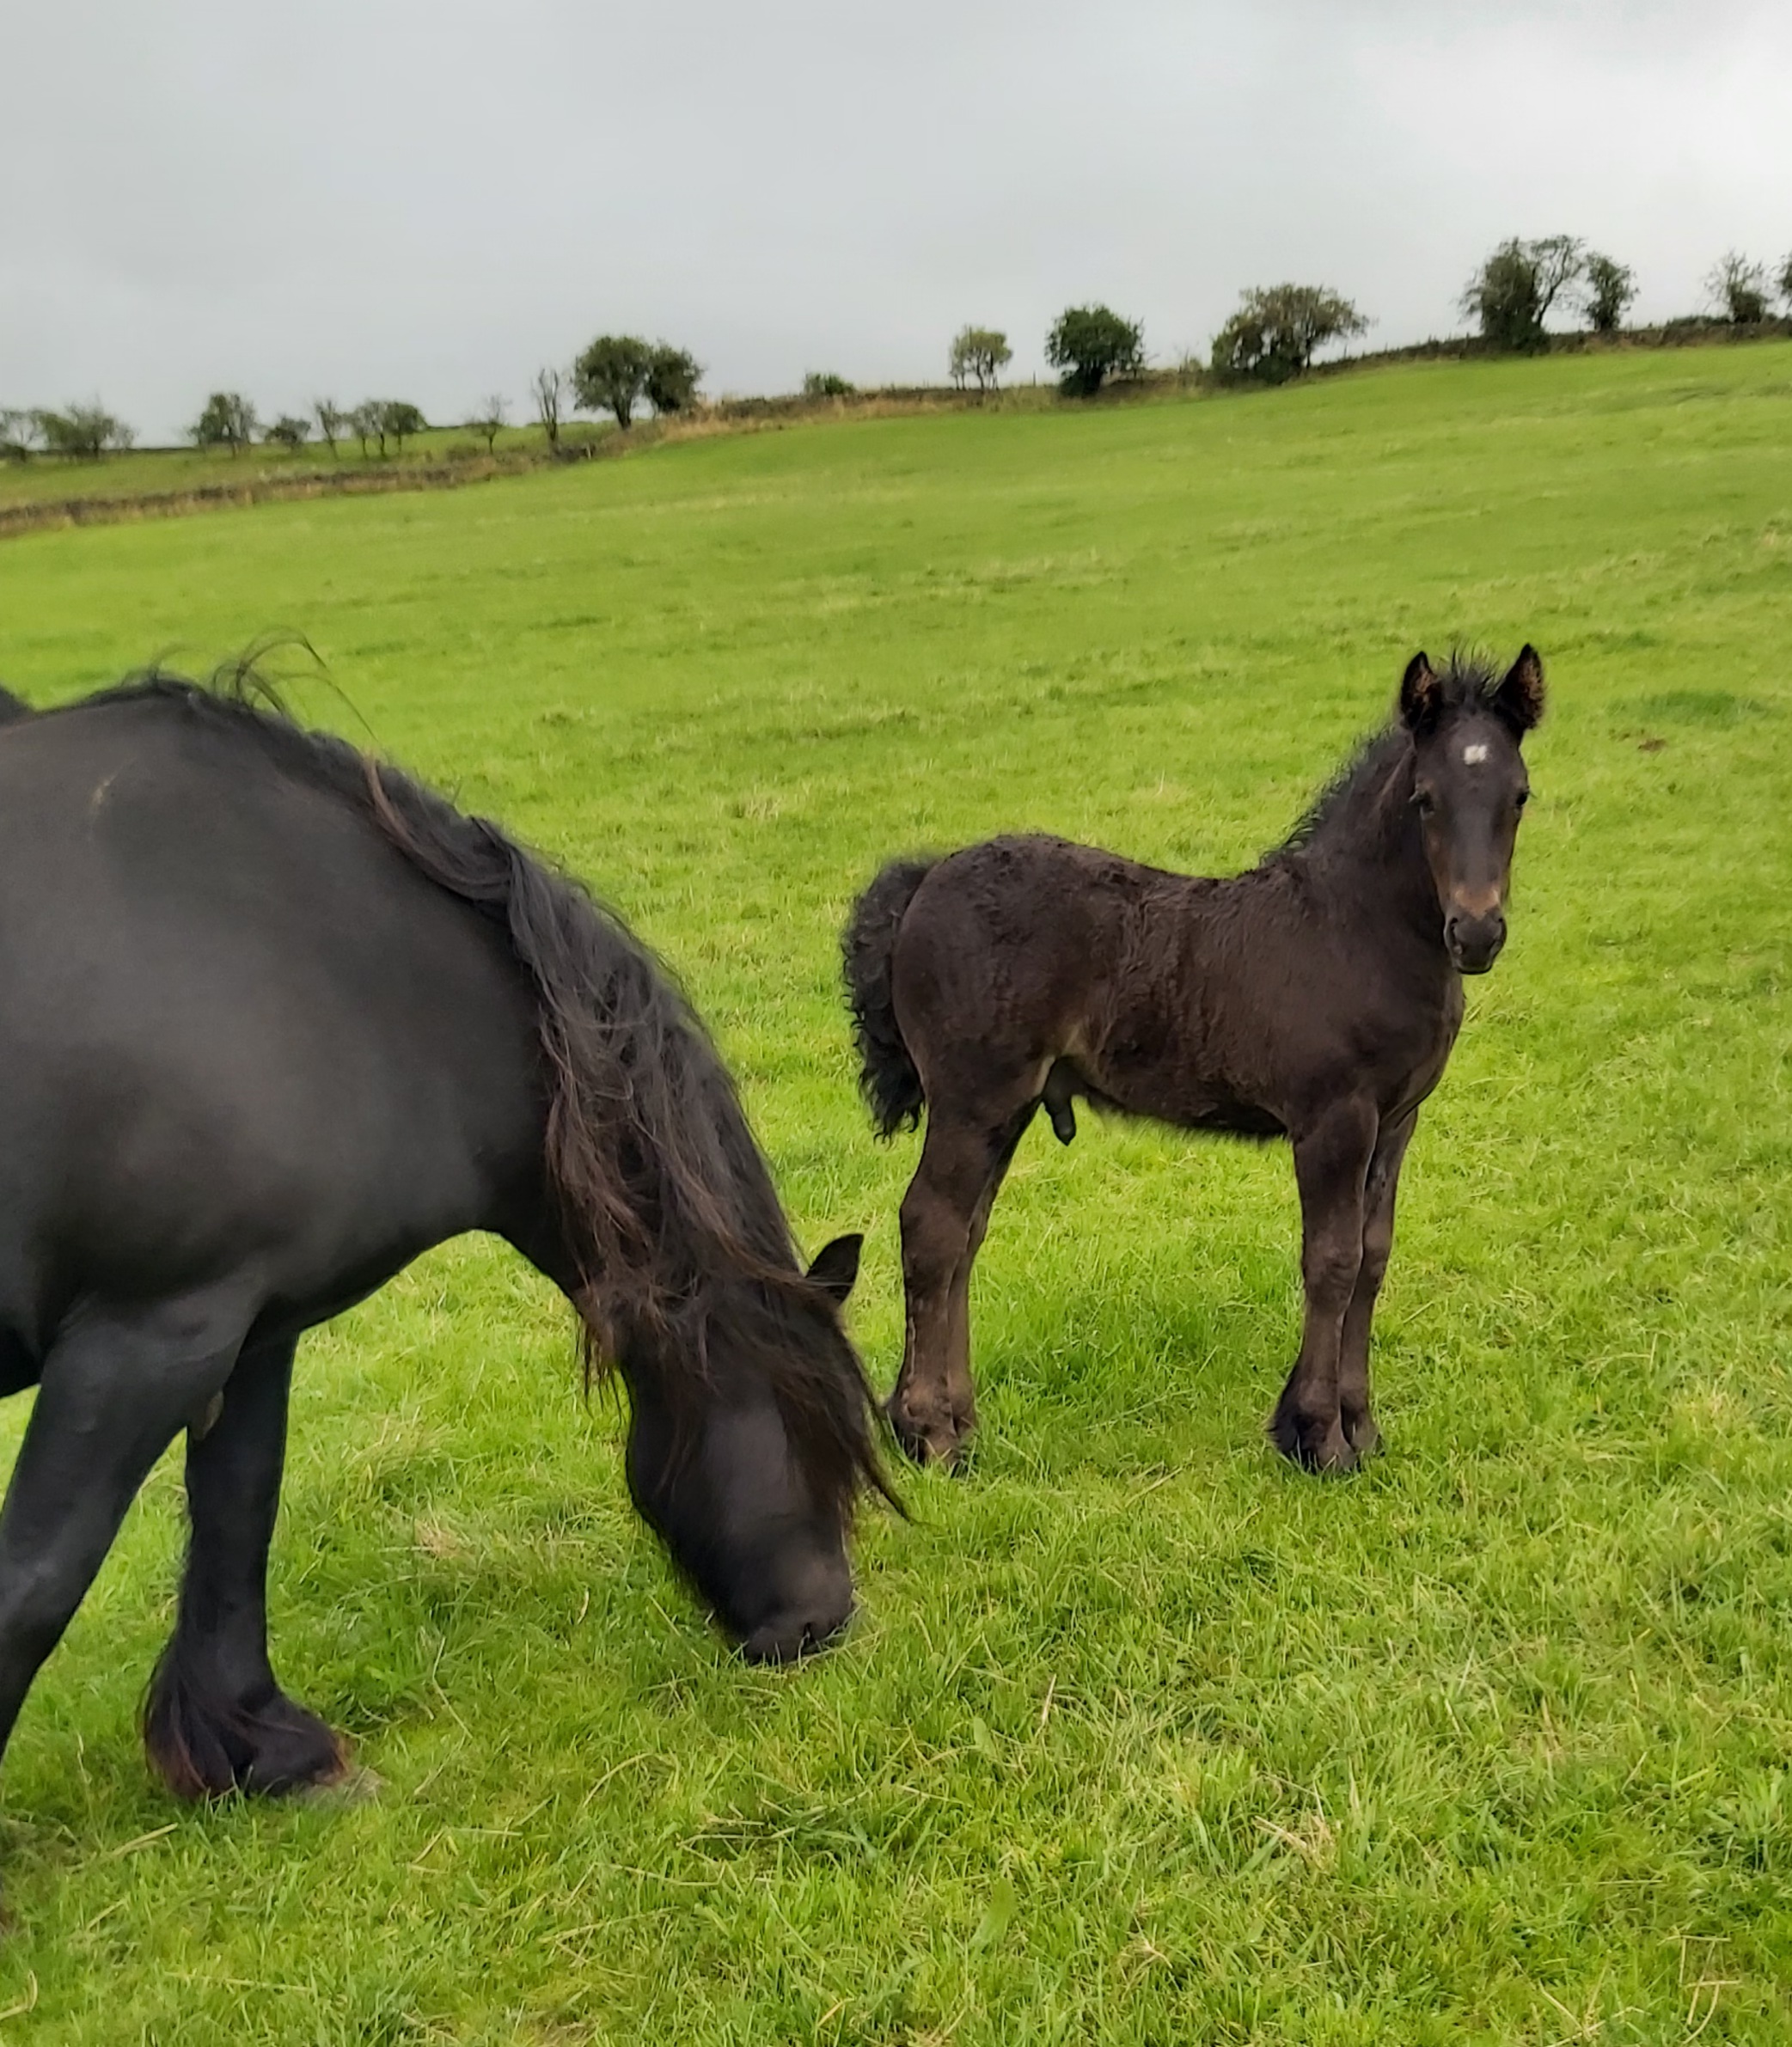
x: 427, y: 198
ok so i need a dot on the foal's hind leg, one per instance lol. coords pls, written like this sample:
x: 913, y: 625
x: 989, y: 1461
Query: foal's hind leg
x: 933, y: 1407
x: 1331, y: 1164
x: 1378, y: 1242
x: 216, y: 1719
x: 115, y: 1389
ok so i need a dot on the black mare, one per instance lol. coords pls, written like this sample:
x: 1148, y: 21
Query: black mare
x: 272, y: 1022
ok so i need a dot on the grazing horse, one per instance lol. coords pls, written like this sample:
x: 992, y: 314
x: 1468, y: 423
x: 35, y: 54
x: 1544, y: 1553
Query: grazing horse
x: 1314, y: 998
x: 12, y: 707
x: 273, y: 1020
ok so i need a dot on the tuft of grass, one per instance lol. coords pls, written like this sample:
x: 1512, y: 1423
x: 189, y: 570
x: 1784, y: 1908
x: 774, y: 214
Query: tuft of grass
x: 1139, y: 1736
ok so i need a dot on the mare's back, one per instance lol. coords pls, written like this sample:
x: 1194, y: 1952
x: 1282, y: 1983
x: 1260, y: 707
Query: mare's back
x: 219, y: 976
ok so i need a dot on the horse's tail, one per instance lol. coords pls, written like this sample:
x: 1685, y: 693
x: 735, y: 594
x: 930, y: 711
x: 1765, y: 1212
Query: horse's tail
x: 888, y: 1077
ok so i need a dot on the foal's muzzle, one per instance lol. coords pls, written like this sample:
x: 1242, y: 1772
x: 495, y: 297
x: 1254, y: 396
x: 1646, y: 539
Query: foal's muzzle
x: 1474, y: 942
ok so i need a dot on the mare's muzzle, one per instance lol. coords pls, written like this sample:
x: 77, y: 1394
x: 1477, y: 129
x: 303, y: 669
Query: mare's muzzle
x: 812, y: 1603
x: 1474, y: 940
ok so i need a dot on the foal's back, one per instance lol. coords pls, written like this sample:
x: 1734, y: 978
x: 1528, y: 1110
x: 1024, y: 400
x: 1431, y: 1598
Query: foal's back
x: 1180, y: 997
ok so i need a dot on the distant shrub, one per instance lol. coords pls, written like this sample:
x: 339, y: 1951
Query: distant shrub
x: 1273, y: 333
x: 289, y: 431
x: 980, y: 352
x: 1511, y: 295
x: 332, y: 420
x: 83, y: 432
x: 548, y: 390
x: 400, y: 421
x: 611, y: 376
x: 490, y: 418
x: 384, y: 419
x: 1782, y: 284
x: 18, y: 433
x: 673, y: 375
x: 1738, y: 289
x: 229, y: 420
x: 823, y: 383
x: 1608, y: 288
x: 1090, y: 344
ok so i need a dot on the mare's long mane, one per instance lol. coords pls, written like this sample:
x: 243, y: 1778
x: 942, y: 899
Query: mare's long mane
x: 666, y: 1203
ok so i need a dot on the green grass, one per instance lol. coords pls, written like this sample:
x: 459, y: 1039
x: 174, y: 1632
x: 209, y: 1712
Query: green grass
x: 1139, y: 1736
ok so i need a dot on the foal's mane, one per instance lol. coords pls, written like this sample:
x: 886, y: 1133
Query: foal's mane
x: 1344, y: 808
x: 666, y: 1202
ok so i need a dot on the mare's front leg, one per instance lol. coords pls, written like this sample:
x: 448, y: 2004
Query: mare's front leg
x: 115, y: 1390
x: 1331, y: 1165
x: 216, y: 1719
x: 1378, y: 1242
x: 933, y: 1407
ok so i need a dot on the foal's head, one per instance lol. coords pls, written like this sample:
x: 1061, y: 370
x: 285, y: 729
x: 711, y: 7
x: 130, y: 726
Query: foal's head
x: 1470, y: 788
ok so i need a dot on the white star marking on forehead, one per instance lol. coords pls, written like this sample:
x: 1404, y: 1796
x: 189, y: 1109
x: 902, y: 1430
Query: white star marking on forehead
x: 1472, y: 756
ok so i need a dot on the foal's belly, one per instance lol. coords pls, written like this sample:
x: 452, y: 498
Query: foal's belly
x: 1153, y: 1089
x: 1236, y: 1119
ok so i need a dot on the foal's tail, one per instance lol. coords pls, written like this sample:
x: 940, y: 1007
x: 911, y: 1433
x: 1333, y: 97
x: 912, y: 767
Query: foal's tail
x: 888, y: 1078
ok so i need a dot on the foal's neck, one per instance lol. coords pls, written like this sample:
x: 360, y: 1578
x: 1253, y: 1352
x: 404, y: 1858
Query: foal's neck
x: 1368, y: 859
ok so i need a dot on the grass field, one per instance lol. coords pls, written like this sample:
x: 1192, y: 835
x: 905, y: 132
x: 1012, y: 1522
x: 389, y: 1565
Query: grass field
x: 1139, y: 1736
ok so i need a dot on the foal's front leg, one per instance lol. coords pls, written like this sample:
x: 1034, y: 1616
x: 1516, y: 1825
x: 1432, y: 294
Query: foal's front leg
x: 1331, y: 1164
x: 1378, y: 1241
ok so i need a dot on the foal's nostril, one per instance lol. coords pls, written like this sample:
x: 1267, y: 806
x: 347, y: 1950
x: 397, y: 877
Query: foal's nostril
x: 1474, y: 942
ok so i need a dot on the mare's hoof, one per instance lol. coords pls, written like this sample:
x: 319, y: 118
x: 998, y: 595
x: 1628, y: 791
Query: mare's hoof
x: 204, y: 1746
x: 353, y: 1785
x: 1324, y: 1448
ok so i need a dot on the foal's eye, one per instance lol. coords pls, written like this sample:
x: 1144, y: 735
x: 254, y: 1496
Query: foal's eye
x: 1423, y: 802
x: 1521, y: 798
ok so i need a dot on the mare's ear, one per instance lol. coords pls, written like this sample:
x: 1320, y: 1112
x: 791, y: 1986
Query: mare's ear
x: 1420, y: 694
x: 836, y: 1266
x: 1519, y: 699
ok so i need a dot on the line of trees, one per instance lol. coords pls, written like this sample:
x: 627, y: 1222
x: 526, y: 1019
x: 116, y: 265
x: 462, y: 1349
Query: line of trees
x: 228, y: 420
x: 1511, y: 297
x: 81, y: 433
x: 1274, y: 336
x: 615, y: 374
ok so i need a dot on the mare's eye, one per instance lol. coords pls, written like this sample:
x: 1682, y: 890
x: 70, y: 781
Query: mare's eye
x: 1521, y: 798
x: 1423, y: 802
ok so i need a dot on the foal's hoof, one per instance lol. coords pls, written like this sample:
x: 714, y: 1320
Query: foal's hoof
x: 927, y: 1442
x: 1365, y: 1438
x: 1323, y: 1449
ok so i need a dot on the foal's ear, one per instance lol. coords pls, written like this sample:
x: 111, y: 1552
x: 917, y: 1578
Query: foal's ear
x: 1519, y: 699
x: 1421, y: 695
x: 836, y: 1266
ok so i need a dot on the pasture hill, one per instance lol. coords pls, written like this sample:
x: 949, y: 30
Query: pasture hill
x: 1139, y: 1736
